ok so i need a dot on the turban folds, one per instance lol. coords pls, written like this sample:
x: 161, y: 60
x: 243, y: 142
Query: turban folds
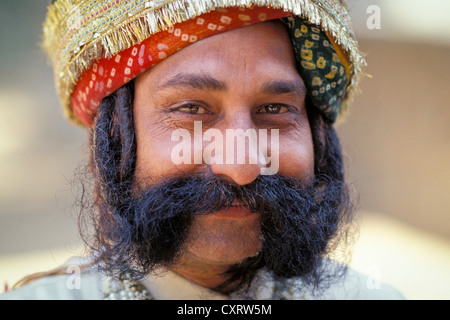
x: 97, y: 46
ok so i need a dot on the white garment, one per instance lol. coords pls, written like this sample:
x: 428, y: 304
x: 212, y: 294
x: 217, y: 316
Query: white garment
x: 168, y: 285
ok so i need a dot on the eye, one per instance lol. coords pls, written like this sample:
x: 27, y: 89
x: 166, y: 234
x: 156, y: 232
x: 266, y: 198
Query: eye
x: 273, y: 109
x: 192, y: 109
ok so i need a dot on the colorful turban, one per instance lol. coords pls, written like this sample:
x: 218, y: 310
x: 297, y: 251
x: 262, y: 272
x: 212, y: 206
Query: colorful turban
x: 98, y: 46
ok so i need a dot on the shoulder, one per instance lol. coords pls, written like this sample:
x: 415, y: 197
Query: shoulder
x: 74, y: 283
x: 354, y: 285
x: 357, y: 286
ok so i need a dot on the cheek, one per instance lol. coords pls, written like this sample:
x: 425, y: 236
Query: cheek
x: 153, y: 147
x: 155, y: 150
x: 150, y: 163
x: 297, y: 155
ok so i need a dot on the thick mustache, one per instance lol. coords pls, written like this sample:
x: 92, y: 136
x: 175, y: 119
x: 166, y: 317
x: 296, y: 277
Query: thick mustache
x: 205, y: 194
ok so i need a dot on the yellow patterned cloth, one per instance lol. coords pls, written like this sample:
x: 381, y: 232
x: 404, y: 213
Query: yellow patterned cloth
x: 324, y: 72
x: 77, y: 34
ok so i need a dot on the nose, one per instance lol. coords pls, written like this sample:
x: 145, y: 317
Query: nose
x: 240, y: 174
x: 242, y: 161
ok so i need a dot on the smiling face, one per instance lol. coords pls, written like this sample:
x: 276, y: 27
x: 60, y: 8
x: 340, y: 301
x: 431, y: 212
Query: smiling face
x: 241, y: 79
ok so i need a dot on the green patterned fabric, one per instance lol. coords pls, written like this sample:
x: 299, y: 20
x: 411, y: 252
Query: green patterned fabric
x: 319, y: 65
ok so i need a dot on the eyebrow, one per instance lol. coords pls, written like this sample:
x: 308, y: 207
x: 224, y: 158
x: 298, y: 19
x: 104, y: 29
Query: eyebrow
x: 195, y: 81
x: 206, y: 82
x: 284, y: 87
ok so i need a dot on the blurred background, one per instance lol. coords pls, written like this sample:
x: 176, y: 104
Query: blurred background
x: 396, y: 140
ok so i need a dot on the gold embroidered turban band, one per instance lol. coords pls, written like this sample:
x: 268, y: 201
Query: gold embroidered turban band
x: 96, y: 46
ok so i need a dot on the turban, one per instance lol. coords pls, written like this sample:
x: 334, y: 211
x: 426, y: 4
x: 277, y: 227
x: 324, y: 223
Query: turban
x: 96, y: 46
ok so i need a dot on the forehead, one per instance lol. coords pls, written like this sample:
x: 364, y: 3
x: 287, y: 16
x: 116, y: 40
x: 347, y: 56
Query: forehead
x: 258, y: 50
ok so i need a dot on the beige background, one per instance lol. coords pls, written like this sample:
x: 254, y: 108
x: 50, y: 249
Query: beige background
x: 397, y: 134
x: 396, y: 140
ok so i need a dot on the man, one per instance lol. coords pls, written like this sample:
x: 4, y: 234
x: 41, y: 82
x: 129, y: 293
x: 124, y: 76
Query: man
x: 216, y: 171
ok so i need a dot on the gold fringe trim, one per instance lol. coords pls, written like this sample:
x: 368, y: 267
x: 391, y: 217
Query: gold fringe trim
x: 76, y: 34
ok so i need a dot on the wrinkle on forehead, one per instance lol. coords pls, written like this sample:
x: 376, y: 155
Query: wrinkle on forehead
x: 225, y: 48
x: 248, y: 38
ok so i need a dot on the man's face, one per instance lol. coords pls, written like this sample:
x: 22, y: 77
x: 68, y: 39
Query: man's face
x: 241, y: 79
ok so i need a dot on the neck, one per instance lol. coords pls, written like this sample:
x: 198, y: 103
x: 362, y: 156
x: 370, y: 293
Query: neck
x: 204, y: 273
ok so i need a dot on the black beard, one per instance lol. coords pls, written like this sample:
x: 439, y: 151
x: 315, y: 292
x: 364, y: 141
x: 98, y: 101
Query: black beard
x: 148, y: 229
